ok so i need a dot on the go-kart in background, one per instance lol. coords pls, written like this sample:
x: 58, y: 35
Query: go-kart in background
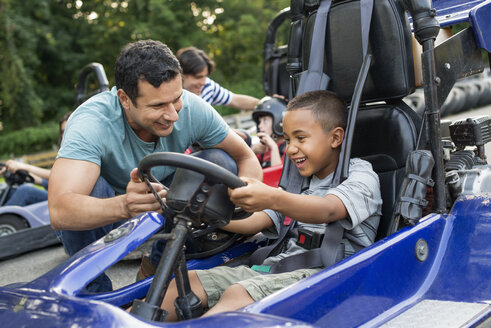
x: 34, y: 264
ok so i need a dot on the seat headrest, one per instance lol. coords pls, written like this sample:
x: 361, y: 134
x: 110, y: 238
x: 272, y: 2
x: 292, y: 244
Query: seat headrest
x: 391, y: 75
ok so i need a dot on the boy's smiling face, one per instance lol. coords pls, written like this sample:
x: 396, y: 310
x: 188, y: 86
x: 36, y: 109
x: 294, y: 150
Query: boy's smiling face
x: 309, y: 147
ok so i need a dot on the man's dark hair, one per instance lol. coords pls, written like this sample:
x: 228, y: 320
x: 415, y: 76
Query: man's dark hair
x: 145, y: 60
x: 194, y: 60
x: 327, y: 108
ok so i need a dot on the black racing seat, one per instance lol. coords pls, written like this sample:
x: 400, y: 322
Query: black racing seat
x: 384, y: 136
x: 386, y: 128
x: 276, y: 79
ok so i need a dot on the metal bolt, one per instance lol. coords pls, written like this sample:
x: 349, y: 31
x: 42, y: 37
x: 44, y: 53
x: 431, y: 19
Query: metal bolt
x: 421, y: 250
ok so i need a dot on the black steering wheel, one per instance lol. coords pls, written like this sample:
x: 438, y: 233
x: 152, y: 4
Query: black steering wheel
x: 17, y: 178
x: 213, y: 173
x: 198, y: 195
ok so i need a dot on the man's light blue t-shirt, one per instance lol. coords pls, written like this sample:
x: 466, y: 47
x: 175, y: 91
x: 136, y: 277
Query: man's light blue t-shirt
x: 98, y: 132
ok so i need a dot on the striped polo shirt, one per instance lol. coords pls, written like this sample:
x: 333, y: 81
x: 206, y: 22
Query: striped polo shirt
x: 214, y: 94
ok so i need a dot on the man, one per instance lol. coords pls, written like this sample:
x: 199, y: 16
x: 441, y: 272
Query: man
x: 196, y: 67
x: 94, y: 185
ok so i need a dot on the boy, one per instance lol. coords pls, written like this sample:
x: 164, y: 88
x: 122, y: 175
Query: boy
x: 313, y: 127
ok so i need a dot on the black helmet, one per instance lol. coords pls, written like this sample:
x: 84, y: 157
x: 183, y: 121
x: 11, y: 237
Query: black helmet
x: 274, y: 107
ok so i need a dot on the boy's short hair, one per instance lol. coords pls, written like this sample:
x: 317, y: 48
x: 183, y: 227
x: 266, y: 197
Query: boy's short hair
x: 328, y: 109
x: 194, y: 61
x: 145, y: 60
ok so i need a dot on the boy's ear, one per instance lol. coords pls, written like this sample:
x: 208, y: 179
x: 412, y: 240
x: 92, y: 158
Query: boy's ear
x: 337, y: 137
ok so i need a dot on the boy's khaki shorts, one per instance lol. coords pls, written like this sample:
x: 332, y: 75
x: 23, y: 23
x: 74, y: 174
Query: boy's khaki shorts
x: 258, y: 285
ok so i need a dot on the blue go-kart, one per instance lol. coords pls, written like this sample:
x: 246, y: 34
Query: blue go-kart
x: 431, y: 263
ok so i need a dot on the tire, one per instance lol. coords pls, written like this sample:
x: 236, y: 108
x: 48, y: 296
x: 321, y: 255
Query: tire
x: 10, y: 223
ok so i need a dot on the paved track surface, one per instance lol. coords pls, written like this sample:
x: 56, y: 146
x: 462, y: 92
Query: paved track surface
x: 29, y: 266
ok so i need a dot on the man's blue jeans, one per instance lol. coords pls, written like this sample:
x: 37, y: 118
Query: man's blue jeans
x: 73, y: 241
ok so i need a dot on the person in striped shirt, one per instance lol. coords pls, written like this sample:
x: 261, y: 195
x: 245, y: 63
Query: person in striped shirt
x: 196, y: 66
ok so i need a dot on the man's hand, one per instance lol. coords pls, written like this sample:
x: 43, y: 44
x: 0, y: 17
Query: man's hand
x: 139, y: 198
x: 254, y: 197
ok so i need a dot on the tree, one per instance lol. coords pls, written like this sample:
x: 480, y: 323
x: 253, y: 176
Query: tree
x: 45, y: 43
x: 19, y: 103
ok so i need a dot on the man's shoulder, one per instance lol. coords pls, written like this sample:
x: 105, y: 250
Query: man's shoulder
x: 103, y: 107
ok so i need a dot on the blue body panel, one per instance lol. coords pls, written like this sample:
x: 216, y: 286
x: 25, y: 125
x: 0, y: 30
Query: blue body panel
x: 475, y: 12
x: 383, y: 280
x: 450, y: 12
x: 480, y: 18
x: 380, y: 281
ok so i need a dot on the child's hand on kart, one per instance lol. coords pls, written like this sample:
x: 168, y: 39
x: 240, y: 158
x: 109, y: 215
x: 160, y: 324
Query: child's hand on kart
x: 266, y: 140
x: 256, y: 196
x: 139, y: 198
x: 13, y: 166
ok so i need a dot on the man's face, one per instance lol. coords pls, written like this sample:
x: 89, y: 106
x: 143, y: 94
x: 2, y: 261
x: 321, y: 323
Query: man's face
x: 155, y: 110
x: 195, y: 83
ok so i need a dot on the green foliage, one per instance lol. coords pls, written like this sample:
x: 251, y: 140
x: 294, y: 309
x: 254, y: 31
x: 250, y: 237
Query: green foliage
x: 29, y: 140
x: 45, y: 43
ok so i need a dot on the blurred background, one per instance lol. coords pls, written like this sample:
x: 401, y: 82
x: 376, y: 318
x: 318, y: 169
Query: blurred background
x: 45, y: 43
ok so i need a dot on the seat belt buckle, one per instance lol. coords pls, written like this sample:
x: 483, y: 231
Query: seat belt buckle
x: 309, y: 239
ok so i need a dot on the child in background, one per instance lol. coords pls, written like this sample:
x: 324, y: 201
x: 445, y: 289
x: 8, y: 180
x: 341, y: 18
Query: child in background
x: 27, y: 194
x: 268, y: 115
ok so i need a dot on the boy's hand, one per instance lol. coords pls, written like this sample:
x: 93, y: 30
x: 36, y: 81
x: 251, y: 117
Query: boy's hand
x: 254, y: 197
x: 139, y: 198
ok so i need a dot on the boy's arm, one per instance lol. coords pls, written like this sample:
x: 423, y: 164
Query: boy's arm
x: 251, y: 225
x: 257, y: 196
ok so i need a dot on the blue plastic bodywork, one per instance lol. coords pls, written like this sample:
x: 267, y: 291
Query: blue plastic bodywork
x: 380, y: 282
x: 475, y: 12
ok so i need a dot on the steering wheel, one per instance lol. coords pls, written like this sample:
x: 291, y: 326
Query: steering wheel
x: 214, y: 174
x: 17, y: 178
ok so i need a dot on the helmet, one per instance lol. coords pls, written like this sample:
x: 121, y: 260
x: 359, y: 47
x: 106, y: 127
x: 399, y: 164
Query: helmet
x: 274, y: 107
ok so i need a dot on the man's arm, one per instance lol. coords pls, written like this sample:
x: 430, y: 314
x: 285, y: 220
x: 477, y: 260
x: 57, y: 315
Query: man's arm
x: 243, y: 155
x: 257, y: 196
x: 243, y: 102
x: 71, y: 207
